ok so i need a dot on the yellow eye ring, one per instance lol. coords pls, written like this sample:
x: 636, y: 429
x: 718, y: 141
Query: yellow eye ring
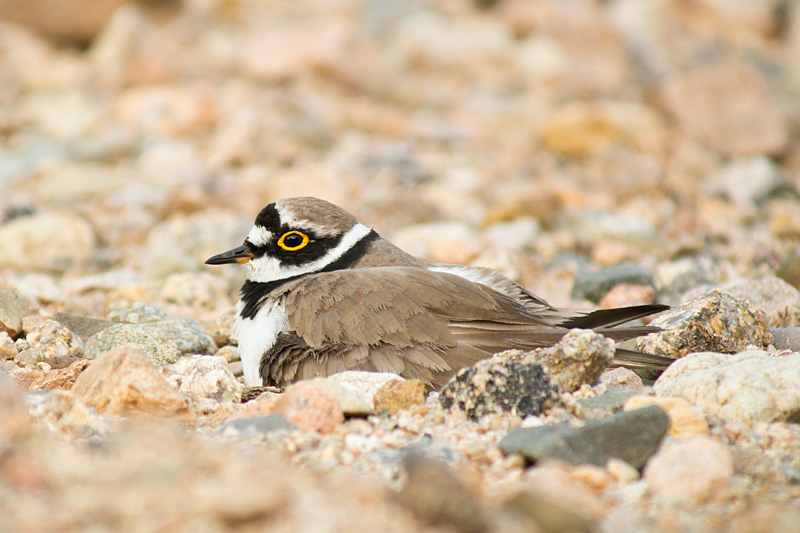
x: 288, y: 248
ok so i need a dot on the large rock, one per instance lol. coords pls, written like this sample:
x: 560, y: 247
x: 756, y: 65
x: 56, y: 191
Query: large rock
x: 123, y: 382
x: 747, y: 388
x: 715, y: 321
x: 779, y: 300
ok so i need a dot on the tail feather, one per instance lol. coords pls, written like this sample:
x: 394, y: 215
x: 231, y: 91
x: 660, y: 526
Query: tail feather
x: 608, y: 318
x: 632, y: 359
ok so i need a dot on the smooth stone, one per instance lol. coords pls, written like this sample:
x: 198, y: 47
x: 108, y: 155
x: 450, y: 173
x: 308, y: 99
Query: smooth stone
x: 632, y: 436
x: 13, y: 308
x: 786, y: 338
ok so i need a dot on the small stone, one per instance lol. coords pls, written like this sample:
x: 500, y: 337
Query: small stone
x: 14, y: 419
x: 8, y: 349
x: 435, y: 496
x: 779, y: 300
x: 309, y: 407
x: 352, y: 404
x: 60, y: 378
x: 82, y: 326
x: 684, y: 420
x: 444, y: 242
x: 53, y: 339
x: 13, y: 308
x: 748, y: 181
x: 578, y: 358
x: 397, y: 395
x: 631, y: 436
x: 364, y: 384
x: 749, y: 387
x: 715, y: 321
x: 789, y: 268
x: 608, y: 401
x: 696, y: 471
x: 123, y: 382
x: 257, y: 425
x: 782, y: 338
x: 204, y: 376
x: 29, y: 357
x: 500, y: 385
x: 26, y: 243
x: 621, y: 380
x: 594, y: 285
x: 626, y: 295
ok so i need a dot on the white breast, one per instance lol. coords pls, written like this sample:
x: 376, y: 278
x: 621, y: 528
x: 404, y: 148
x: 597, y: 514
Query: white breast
x: 257, y: 335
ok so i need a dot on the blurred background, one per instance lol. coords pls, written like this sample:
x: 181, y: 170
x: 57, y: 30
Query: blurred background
x: 539, y: 137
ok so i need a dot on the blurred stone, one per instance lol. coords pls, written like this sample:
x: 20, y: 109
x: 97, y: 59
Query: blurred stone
x: 766, y: 518
x: 728, y: 106
x: 195, y: 289
x: 61, y: 378
x: 443, y: 242
x: 684, y: 420
x: 435, y: 496
x: 309, y: 407
x: 27, y: 243
x: 545, y: 510
x: 53, y: 339
x: 779, y: 300
x: 580, y: 128
x: 676, y: 278
x: 696, y: 471
x: 397, y: 395
x: 714, y: 321
x: 257, y: 425
x: 74, y: 22
x: 594, y: 285
x: 123, y: 382
x: 626, y: 295
x: 789, y: 269
x: 13, y: 308
x: 609, y: 402
x: 580, y: 357
x: 500, y: 385
x: 750, y: 387
x: 632, y: 436
x: 14, y: 420
x: 786, y: 338
x: 747, y: 182
x: 204, y: 376
x: 621, y: 379
x: 8, y: 349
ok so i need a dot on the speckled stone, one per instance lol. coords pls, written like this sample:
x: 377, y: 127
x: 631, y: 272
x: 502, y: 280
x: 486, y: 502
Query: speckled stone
x: 579, y: 357
x: 499, y: 385
x: 779, y: 301
x: 715, y: 321
x: 397, y: 395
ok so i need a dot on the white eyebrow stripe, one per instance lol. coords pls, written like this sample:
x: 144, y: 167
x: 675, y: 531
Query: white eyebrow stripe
x: 259, y: 236
x: 288, y: 218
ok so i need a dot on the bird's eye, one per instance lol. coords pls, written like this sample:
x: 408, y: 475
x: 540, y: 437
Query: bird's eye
x: 293, y: 240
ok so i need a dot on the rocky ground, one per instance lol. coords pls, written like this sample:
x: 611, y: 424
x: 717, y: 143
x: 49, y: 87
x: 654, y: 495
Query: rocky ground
x: 600, y: 153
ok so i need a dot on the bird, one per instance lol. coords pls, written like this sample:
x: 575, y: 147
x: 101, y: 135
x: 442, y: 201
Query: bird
x: 325, y: 293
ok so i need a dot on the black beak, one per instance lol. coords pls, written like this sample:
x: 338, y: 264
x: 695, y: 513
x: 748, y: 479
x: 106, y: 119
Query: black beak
x: 237, y: 255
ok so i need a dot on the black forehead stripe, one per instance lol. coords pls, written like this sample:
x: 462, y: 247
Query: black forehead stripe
x: 269, y: 218
x: 253, y: 292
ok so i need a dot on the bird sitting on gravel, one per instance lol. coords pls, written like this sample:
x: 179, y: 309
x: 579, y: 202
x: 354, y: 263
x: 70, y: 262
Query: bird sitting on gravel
x: 325, y: 293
